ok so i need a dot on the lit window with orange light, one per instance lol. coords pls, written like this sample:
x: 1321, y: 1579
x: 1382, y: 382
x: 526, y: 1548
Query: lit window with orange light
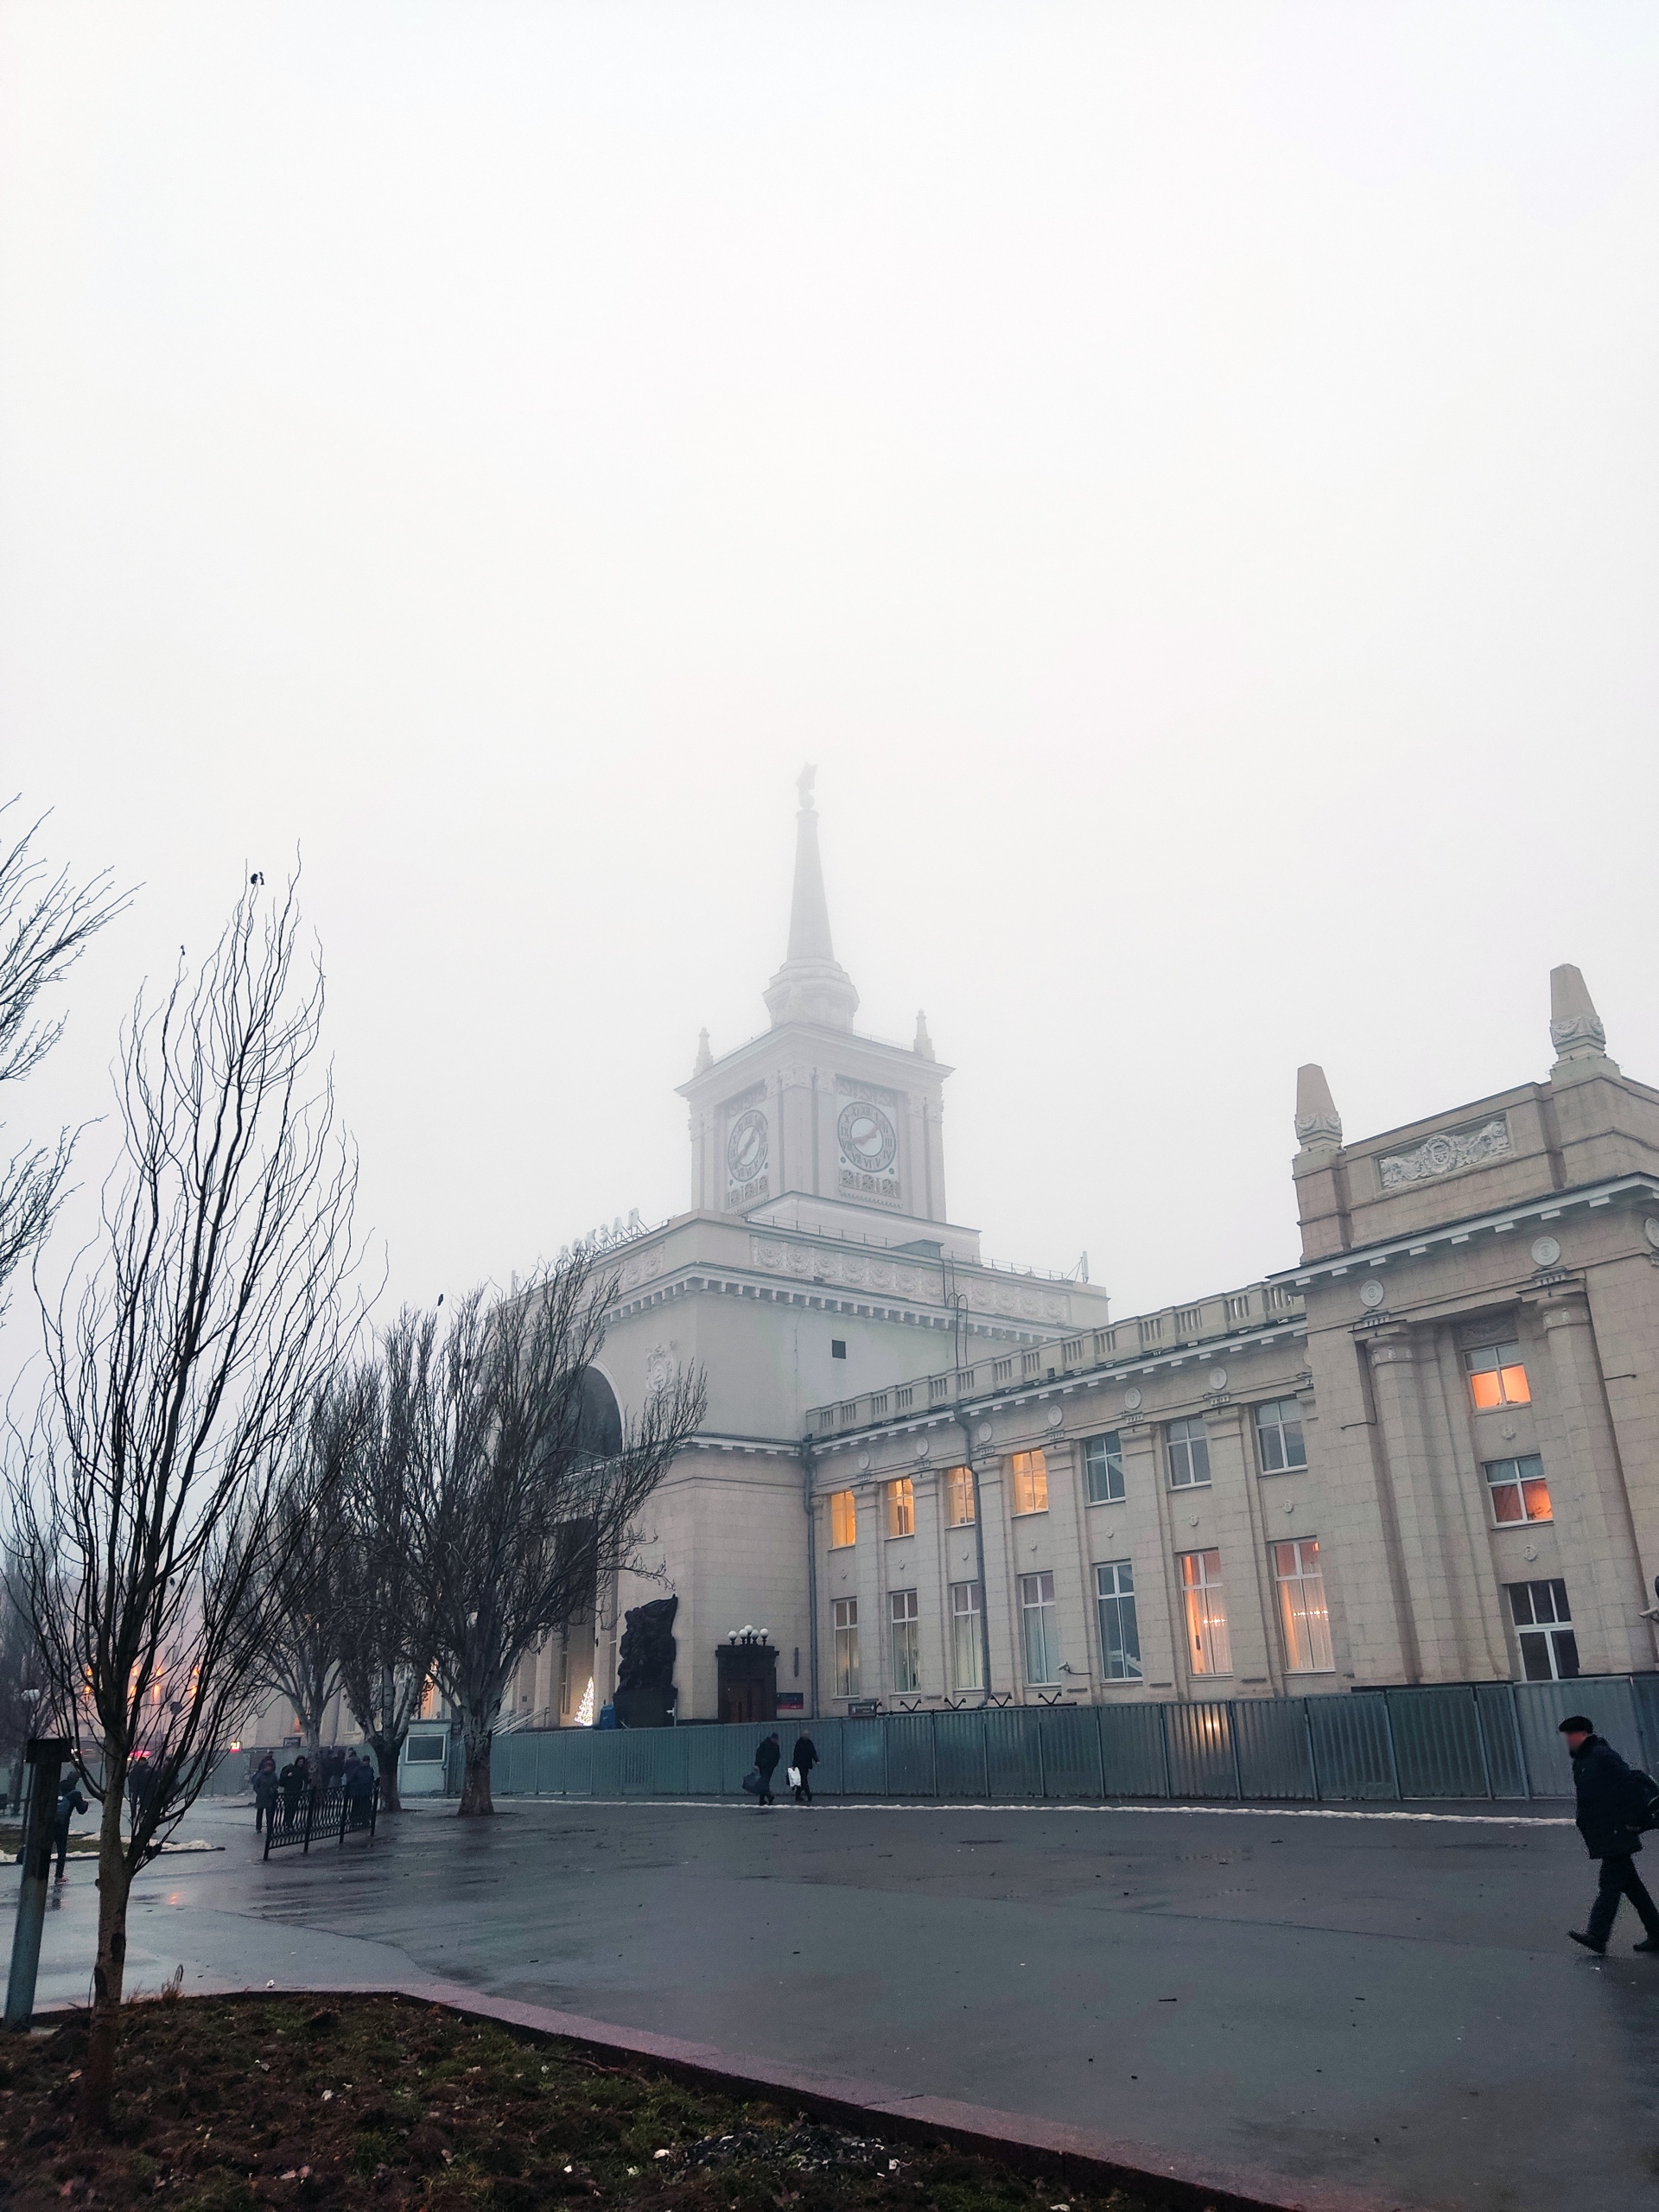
x: 1497, y: 1376
x: 1209, y: 1646
x: 901, y: 1508
x: 1030, y: 1473
x: 843, y: 1520
x: 959, y: 1498
x: 1518, y: 1490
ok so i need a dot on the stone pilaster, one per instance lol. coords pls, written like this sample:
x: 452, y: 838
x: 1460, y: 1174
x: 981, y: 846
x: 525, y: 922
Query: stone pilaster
x: 1587, y: 1494
x: 1405, y: 1465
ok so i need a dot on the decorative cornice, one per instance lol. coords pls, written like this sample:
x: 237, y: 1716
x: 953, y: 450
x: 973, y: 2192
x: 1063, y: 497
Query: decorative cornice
x: 1464, y: 1232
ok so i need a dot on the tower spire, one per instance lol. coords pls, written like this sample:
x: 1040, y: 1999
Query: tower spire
x: 811, y: 986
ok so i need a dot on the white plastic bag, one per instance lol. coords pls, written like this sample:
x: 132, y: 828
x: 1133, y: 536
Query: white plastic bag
x: 794, y: 1777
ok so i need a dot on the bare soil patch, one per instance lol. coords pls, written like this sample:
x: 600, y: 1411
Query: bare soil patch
x: 227, y: 2102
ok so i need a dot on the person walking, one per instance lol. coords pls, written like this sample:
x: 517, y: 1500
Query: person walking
x: 70, y: 1801
x: 803, y: 1758
x: 1606, y: 1789
x: 138, y: 1786
x: 264, y: 1792
x: 767, y: 1752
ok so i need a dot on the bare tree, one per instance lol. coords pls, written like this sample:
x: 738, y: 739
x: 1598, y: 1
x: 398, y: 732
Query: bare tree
x: 300, y: 1600
x: 184, y: 1346
x: 46, y: 923
x: 520, y: 1517
x: 388, y: 1634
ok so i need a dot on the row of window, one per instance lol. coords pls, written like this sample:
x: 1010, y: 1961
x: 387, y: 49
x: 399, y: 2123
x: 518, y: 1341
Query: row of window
x: 1303, y: 1618
x: 1548, y: 1648
x: 1517, y: 1487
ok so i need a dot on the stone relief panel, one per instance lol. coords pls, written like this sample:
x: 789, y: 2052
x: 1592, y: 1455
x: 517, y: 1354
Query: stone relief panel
x: 860, y: 1271
x: 645, y: 1268
x: 1444, y: 1153
x: 846, y: 1270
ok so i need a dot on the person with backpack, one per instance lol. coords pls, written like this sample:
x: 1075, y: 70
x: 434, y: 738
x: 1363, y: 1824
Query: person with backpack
x: 1615, y: 1804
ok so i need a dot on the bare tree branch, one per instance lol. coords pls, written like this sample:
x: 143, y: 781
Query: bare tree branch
x: 300, y: 1597
x: 387, y: 1631
x: 46, y: 923
x: 181, y: 1359
x: 520, y: 1517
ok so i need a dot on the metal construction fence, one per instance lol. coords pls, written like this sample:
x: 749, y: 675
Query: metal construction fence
x: 1496, y: 1741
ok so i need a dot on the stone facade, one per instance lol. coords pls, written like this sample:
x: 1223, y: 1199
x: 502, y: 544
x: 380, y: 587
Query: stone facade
x: 1428, y: 1454
x: 1454, y: 1398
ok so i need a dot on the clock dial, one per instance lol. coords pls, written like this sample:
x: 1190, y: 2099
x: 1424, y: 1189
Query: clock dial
x: 868, y: 1141
x: 747, y: 1146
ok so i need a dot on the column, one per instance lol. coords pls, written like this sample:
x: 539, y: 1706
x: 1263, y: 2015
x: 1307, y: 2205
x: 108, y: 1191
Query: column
x: 1588, y: 1497
x: 1405, y: 1473
x: 1244, y: 1565
x: 999, y: 1597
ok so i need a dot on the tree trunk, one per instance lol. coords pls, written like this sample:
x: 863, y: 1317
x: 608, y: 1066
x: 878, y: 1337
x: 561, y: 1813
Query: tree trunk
x: 311, y: 1744
x: 476, y: 1738
x: 109, y: 1971
x: 385, y: 1755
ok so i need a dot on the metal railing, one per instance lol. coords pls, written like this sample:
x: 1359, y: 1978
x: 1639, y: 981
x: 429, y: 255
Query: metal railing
x: 314, y: 1814
x: 1495, y: 1740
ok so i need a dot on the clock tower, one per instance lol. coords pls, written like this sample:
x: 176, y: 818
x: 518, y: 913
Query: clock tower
x: 810, y: 1124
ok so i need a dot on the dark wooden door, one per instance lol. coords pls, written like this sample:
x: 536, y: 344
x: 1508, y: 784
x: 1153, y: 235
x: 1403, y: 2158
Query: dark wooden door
x: 749, y: 1682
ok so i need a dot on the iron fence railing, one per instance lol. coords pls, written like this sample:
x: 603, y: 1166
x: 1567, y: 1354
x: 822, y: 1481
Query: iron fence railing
x: 313, y: 1815
x: 1493, y: 1740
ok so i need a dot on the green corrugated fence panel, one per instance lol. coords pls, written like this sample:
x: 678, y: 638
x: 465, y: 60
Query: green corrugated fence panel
x: 552, y: 1761
x: 500, y: 1763
x: 1645, y: 1691
x: 1437, y: 1747
x: 1350, y: 1746
x: 959, y: 1753
x: 705, y: 1756
x: 522, y: 1765
x: 1495, y: 1702
x: 1200, y: 1740
x: 864, y: 1758
x: 1540, y: 1707
x: 910, y: 1755
x: 1069, y: 1737
x: 579, y: 1771
x: 635, y: 1763
x: 737, y: 1756
x: 608, y: 1753
x: 1013, y: 1759
x: 670, y: 1774
x: 1132, y: 1752
x: 827, y: 1775
x: 1271, y: 1734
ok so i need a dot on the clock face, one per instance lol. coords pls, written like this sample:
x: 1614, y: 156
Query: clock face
x: 747, y: 1146
x: 868, y: 1141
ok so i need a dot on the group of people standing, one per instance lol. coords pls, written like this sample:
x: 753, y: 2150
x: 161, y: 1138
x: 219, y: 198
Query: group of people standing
x: 337, y: 1768
x: 801, y: 1760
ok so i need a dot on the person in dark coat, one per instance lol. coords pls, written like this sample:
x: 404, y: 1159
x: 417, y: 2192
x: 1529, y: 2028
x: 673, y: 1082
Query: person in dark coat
x: 138, y: 1786
x: 264, y: 1792
x: 767, y: 1753
x: 803, y: 1758
x: 1601, y: 1781
x: 70, y: 1801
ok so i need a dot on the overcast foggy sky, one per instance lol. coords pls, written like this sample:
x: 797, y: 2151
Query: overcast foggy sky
x: 1185, y: 473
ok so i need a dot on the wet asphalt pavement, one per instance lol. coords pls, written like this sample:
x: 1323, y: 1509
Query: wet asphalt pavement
x: 1387, y: 2002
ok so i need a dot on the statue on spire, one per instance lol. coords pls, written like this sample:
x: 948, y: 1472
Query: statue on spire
x: 804, y: 784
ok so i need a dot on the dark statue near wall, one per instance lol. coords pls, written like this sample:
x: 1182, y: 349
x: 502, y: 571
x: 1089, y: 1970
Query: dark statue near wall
x: 645, y: 1671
